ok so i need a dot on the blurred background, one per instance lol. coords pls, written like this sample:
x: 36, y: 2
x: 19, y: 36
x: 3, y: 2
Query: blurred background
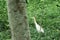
x: 47, y: 13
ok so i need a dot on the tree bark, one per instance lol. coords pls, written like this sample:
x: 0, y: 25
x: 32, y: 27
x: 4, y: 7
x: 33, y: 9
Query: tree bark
x: 18, y: 19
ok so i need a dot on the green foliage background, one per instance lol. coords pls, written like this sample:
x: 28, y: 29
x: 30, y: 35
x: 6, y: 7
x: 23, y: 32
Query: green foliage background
x: 47, y: 13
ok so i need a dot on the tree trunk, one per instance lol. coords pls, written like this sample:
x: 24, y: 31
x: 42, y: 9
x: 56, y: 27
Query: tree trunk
x: 18, y: 19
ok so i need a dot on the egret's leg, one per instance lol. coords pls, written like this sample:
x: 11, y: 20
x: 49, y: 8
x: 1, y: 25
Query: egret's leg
x: 39, y: 36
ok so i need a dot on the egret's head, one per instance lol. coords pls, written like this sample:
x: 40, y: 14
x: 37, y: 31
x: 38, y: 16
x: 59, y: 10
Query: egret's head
x: 33, y: 17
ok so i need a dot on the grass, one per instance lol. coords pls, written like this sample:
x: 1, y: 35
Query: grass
x: 47, y: 14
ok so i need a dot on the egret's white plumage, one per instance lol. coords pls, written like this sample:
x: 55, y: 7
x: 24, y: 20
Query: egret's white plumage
x: 38, y: 27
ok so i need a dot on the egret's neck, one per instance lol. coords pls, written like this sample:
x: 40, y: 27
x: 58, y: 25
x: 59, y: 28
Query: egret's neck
x: 34, y: 20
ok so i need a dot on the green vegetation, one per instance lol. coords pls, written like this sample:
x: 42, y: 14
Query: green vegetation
x: 47, y: 13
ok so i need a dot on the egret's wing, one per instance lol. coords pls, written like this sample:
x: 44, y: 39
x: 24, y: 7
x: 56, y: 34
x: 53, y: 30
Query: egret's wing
x: 39, y: 28
x: 42, y: 30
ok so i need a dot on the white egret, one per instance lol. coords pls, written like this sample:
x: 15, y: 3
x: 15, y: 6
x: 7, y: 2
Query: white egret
x: 38, y: 27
